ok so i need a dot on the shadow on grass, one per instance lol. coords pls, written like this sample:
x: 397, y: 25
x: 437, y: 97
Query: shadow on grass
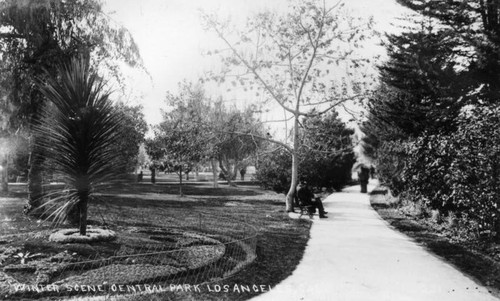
x: 281, y: 240
x: 193, y: 189
x: 278, y: 252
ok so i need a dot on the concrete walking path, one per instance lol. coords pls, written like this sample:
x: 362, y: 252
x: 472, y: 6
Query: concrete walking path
x: 355, y: 255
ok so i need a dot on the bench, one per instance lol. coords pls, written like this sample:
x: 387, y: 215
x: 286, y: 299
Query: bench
x: 305, y: 209
x: 308, y: 209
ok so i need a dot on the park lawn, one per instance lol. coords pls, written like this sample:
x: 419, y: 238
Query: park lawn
x: 281, y: 240
x: 478, y: 259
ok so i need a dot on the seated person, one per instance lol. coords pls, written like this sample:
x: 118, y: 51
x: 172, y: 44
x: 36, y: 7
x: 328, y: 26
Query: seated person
x: 305, y: 197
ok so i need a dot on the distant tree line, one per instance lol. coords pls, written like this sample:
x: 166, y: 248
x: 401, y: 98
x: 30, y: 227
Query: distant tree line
x: 197, y: 130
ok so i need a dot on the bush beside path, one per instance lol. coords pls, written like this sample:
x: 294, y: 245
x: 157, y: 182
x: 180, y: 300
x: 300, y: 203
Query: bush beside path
x: 356, y: 255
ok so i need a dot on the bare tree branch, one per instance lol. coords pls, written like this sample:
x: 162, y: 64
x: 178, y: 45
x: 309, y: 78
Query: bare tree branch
x: 282, y: 120
x: 333, y: 105
x: 268, y: 139
x: 253, y: 71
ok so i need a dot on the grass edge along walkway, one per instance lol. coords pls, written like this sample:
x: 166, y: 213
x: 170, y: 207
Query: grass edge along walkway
x: 477, y: 265
x: 355, y: 255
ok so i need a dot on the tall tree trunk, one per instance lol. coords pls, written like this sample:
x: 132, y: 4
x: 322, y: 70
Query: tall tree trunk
x: 153, y: 175
x: 5, y: 174
x: 83, y: 206
x: 215, y: 173
x: 35, y: 178
x: 295, y: 166
x: 180, y: 180
x: 37, y: 158
x: 226, y: 171
x: 235, y: 170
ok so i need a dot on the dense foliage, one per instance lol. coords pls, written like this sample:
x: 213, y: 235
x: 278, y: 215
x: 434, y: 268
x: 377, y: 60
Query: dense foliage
x: 133, y: 128
x: 236, y: 138
x: 454, y: 173
x: 326, y: 157
x: 432, y: 126
x: 36, y: 37
x: 274, y: 170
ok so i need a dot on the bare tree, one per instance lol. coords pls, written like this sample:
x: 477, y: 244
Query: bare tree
x: 307, y: 61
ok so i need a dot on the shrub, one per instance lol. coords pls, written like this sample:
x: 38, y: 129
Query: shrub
x: 326, y: 157
x: 392, y: 158
x: 274, y: 171
x: 456, y: 173
x: 475, y: 171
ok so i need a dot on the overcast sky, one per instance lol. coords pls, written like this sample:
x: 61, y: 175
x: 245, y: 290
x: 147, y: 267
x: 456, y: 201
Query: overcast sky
x: 171, y: 38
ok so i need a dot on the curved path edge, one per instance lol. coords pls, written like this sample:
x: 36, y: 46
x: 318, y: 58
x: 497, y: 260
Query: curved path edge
x: 355, y: 255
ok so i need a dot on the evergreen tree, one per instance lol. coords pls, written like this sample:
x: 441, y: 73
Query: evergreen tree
x: 421, y: 87
x: 475, y: 25
x: 326, y: 154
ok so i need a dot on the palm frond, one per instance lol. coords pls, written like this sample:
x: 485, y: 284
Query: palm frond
x: 79, y: 129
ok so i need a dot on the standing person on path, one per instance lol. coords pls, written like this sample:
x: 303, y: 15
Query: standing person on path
x: 306, y: 197
x: 364, y: 177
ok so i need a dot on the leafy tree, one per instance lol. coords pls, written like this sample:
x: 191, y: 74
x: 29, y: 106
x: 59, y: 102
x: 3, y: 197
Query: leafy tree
x: 79, y: 129
x: 327, y: 152
x: 197, y: 129
x: 475, y: 24
x: 327, y: 157
x: 35, y: 37
x: 274, y: 170
x: 232, y: 134
x: 303, y: 59
x: 156, y: 151
x: 180, y: 133
x: 132, y: 130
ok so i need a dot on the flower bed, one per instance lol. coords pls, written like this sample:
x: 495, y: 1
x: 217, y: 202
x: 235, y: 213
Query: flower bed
x: 73, y: 235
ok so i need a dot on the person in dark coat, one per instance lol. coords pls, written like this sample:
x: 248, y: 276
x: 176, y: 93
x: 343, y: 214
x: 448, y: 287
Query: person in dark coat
x: 305, y: 197
x: 364, y: 177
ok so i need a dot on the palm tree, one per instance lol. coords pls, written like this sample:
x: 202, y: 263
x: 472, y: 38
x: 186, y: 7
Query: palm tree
x: 79, y: 130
